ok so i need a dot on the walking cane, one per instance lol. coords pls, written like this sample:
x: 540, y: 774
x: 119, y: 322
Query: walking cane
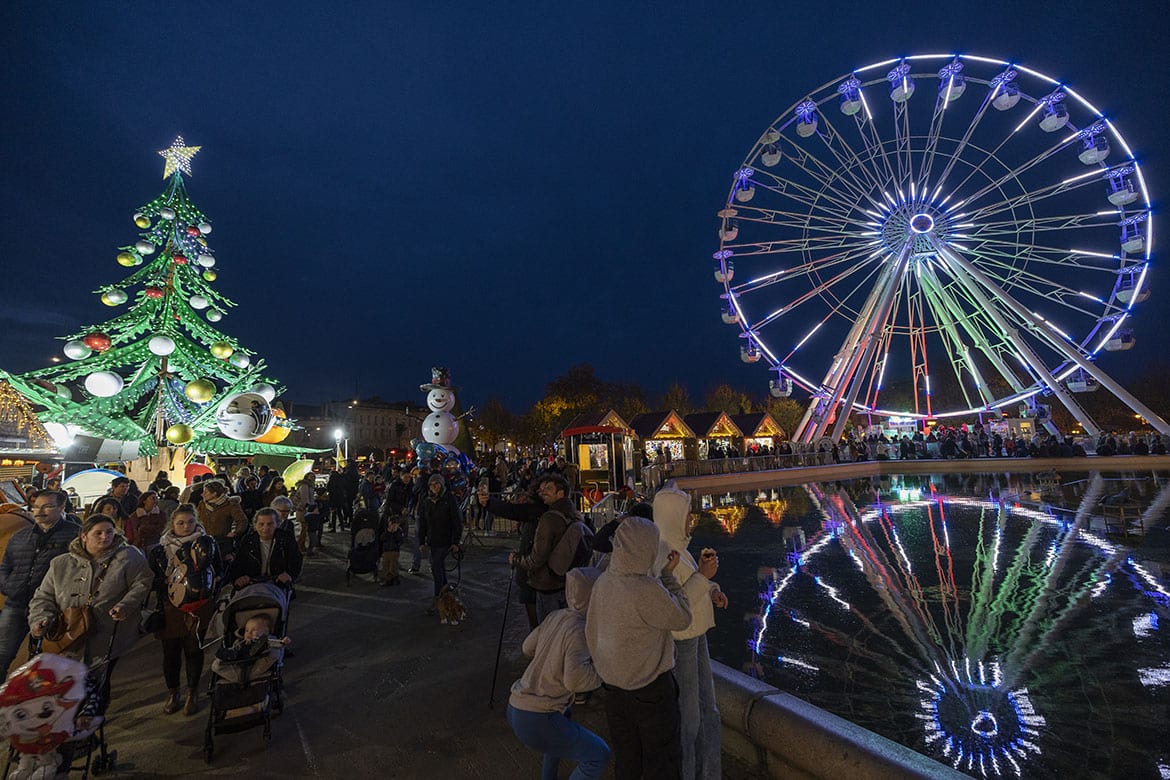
x: 500, y: 644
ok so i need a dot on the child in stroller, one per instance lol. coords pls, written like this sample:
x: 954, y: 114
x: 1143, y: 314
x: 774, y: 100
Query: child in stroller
x: 245, y: 689
x: 363, y: 550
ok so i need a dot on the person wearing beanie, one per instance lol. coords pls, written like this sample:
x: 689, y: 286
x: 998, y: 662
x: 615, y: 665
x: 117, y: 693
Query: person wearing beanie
x: 440, y: 528
x: 634, y: 607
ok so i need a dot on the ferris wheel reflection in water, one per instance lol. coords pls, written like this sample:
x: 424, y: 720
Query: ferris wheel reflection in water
x: 964, y: 644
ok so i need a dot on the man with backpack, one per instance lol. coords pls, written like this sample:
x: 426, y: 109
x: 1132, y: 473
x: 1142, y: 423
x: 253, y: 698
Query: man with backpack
x: 563, y: 542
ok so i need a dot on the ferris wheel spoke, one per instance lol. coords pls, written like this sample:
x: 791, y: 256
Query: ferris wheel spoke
x: 1017, y: 171
x: 965, y: 141
x: 814, y: 292
x: 1042, y: 287
x: 812, y: 266
x: 850, y: 162
x: 902, y: 143
x: 1061, y: 223
x: 875, y: 147
x: 1034, y: 197
x: 825, y: 173
x: 814, y: 197
x: 797, y: 220
x: 1065, y: 258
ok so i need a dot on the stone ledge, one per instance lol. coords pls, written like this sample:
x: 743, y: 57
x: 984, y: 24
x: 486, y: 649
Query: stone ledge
x: 782, y: 736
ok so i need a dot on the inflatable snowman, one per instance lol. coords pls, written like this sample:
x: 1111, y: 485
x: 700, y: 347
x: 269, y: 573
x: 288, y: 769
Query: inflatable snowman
x: 440, y: 426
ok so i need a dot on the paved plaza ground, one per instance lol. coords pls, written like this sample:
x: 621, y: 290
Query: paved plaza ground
x: 375, y: 689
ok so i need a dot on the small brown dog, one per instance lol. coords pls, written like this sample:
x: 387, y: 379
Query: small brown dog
x: 451, y: 609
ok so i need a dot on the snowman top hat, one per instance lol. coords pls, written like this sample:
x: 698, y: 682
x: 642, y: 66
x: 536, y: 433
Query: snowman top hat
x: 440, y: 380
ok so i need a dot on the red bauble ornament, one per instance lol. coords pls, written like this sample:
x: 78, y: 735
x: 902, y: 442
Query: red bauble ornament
x: 154, y: 292
x: 180, y: 259
x: 192, y: 231
x: 98, y: 342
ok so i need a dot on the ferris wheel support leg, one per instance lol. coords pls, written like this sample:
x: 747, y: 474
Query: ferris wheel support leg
x: 811, y: 426
x: 877, y: 324
x: 975, y: 282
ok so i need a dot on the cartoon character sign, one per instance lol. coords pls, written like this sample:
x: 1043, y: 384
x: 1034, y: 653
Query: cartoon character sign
x: 38, y: 705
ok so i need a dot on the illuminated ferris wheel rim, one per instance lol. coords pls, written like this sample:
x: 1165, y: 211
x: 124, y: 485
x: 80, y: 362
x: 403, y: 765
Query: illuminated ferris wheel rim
x: 1098, y: 124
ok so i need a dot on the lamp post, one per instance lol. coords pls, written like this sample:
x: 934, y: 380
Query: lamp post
x: 338, y: 435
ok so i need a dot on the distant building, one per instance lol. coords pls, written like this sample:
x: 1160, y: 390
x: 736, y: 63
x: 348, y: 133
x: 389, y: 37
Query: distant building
x: 367, y: 424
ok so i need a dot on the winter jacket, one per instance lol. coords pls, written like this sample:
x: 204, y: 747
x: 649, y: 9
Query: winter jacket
x: 549, y: 530
x: 399, y: 495
x: 162, y: 560
x: 13, y: 518
x: 439, y: 523
x: 671, y: 507
x: 285, y: 558
x: 69, y: 583
x: 560, y: 665
x: 391, y: 541
x: 27, y: 557
x: 223, y: 517
x: 632, y: 611
x: 143, y: 531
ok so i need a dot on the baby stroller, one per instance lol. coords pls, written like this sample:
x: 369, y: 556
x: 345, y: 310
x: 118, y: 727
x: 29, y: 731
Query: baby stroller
x: 245, y: 693
x: 86, y: 749
x: 363, y: 549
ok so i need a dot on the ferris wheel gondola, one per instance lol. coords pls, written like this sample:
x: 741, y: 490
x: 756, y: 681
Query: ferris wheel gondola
x: 936, y: 236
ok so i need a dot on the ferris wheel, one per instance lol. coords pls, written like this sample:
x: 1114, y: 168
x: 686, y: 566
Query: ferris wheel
x: 936, y: 236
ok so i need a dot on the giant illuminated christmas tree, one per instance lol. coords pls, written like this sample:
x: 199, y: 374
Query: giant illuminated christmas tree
x: 162, y: 373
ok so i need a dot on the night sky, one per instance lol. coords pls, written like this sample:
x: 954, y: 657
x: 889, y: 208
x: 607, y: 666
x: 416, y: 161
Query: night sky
x: 505, y: 189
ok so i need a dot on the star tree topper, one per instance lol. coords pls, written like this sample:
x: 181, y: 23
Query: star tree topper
x: 178, y: 157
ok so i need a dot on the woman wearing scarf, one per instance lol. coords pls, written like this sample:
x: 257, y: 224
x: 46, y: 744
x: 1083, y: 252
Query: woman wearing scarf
x: 186, y: 567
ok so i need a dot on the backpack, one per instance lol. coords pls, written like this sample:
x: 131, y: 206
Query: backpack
x: 573, y: 550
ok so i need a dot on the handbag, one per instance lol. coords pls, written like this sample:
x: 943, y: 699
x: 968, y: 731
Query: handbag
x: 67, y: 629
x: 152, y: 620
x: 73, y: 624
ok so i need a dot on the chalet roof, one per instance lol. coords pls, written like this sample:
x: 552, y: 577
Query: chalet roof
x: 653, y: 425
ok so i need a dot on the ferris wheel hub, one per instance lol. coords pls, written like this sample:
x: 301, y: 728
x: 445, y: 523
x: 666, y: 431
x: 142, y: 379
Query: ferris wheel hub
x: 921, y: 223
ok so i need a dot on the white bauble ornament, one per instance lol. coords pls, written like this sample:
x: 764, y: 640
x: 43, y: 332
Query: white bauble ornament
x: 215, y: 315
x: 104, y: 384
x: 244, y: 417
x: 161, y: 345
x: 240, y: 360
x: 204, y: 227
x: 198, y: 302
x: 205, y: 260
x: 265, y: 390
x: 117, y: 297
x: 144, y: 247
x: 76, y: 350
x: 166, y: 213
x: 441, y: 400
x: 440, y: 428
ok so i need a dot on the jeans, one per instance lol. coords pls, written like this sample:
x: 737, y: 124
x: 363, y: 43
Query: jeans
x: 557, y: 736
x: 699, y: 718
x: 412, y: 540
x: 547, y: 602
x: 438, y: 572
x: 13, y: 631
x: 644, y: 727
x: 174, y: 651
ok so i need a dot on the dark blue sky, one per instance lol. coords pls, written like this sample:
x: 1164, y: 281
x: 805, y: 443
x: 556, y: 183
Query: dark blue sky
x: 506, y: 189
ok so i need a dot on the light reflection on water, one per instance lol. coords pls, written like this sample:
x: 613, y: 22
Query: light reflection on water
x: 1005, y: 640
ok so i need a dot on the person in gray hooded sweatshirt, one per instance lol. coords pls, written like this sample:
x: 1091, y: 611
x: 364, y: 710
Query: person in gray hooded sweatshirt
x: 700, y: 720
x: 540, y: 705
x: 635, y: 605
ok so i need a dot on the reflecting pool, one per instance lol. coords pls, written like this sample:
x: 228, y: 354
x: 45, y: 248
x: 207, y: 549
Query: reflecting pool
x: 1003, y: 636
